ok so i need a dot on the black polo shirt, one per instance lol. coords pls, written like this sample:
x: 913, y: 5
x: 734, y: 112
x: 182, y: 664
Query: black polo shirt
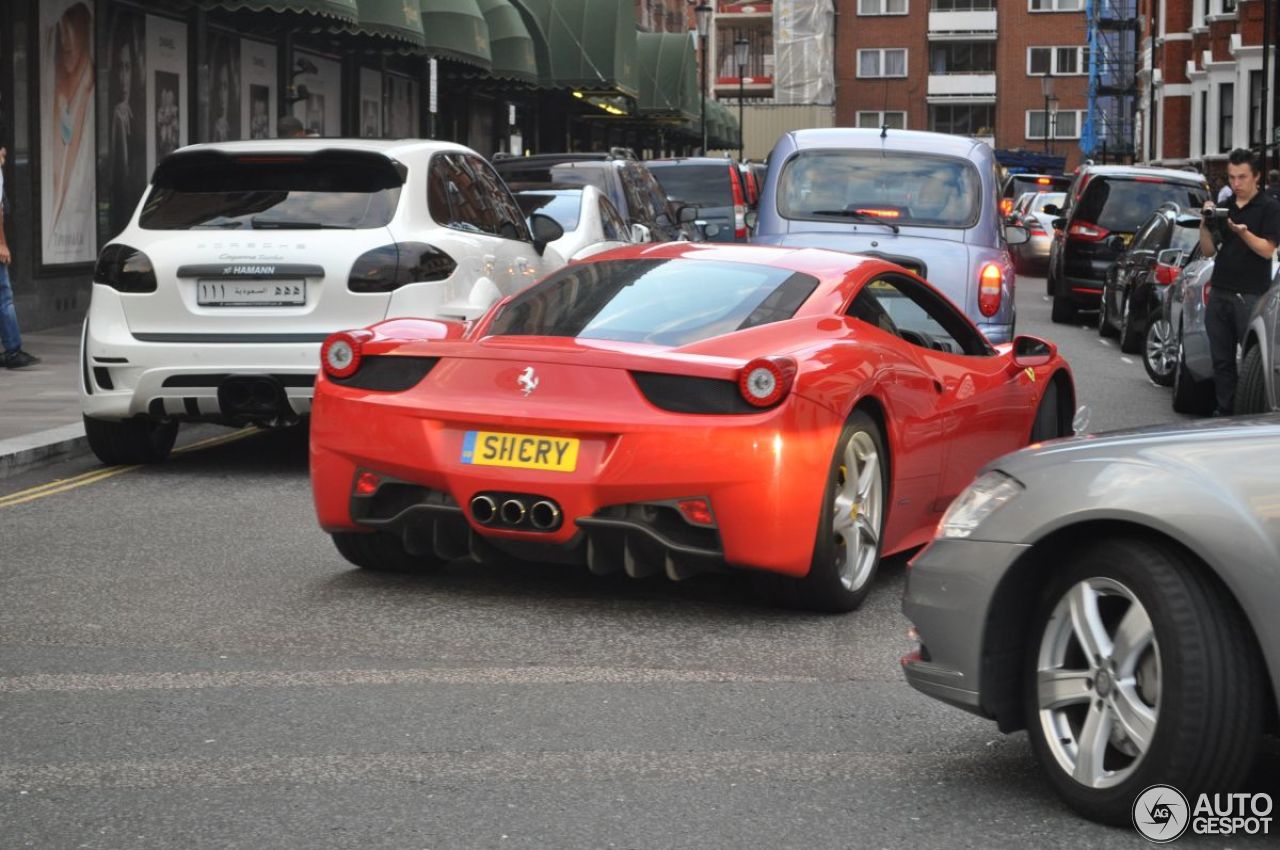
x: 1236, y: 268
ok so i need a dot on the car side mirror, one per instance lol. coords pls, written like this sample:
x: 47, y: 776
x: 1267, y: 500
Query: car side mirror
x: 687, y: 214
x: 1016, y: 234
x: 640, y: 233
x: 1059, y: 223
x: 1031, y: 351
x: 752, y: 218
x: 545, y: 231
x: 1171, y: 257
x: 1116, y: 243
x: 1051, y: 209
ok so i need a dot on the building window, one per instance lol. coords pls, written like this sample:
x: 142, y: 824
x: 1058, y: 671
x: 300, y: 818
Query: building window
x: 1256, y: 111
x: 1059, y: 61
x: 967, y: 119
x: 1055, y: 5
x: 876, y: 120
x: 882, y: 7
x: 1226, y: 115
x: 962, y: 6
x: 963, y: 58
x: 889, y: 62
x: 1065, y: 123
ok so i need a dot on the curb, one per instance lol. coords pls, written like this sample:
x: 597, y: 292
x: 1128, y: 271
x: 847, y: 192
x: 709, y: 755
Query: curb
x: 18, y: 454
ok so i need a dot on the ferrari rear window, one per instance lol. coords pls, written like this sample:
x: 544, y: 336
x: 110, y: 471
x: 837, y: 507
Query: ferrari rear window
x: 664, y: 302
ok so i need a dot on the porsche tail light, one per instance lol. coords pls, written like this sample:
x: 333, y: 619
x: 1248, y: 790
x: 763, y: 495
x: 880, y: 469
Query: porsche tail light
x: 125, y: 269
x: 739, y: 204
x: 341, y: 353
x: 1165, y: 275
x: 990, y: 289
x: 1083, y: 231
x: 766, y: 381
x: 392, y: 266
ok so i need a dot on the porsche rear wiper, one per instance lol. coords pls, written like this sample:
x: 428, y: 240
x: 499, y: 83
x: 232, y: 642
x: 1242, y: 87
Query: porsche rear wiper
x: 860, y: 216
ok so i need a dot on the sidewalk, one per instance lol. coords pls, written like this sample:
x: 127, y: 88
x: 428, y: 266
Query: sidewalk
x: 40, y: 405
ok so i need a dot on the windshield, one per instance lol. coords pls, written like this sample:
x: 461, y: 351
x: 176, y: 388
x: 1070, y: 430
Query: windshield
x: 910, y: 189
x: 1045, y: 198
x: 697, y: 185
x: 564, y: 207
x: 664, y: 302
x: 566, y: 175
x: 256, y: 192
x: 1123, y: 205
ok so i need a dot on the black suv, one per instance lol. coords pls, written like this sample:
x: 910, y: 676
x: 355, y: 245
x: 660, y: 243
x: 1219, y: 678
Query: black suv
x: 716, y: 187
x: 621, y: 177
x: 1106, y: 204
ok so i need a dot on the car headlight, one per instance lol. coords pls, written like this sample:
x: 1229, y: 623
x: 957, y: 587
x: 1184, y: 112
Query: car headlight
x: 986, y: 495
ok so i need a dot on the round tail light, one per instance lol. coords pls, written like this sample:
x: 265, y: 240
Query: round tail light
x: 340, y: 355
x: 765, y: 381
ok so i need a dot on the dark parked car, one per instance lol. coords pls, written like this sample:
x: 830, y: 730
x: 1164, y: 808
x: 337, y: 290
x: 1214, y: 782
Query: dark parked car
x: 1184, y: 309
x: 716, y: 187
x: 1103, y: 203
x: 1134, y: 288
x: 1256, y: 391
x: 1015, y: 185
x: 622, y: 179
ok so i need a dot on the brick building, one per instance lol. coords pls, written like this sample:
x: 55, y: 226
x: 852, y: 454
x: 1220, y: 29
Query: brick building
x: 1202, y: 81
x: 964, y: 66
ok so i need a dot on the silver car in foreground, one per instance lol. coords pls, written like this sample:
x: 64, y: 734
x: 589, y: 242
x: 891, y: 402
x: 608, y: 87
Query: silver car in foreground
x: 1117, y: 597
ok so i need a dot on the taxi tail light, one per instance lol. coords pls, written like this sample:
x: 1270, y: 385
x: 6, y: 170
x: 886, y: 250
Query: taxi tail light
x: 990, y: 289
x: 1165, y: 275
x: 390, y: 267
x: 342, y: 352
x: 1084, y: 231
x: 766, y: 381
x: 739, y: 204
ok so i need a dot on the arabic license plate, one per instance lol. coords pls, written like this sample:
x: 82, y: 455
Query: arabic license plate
x: 520, y: 451
x: 251, y: 293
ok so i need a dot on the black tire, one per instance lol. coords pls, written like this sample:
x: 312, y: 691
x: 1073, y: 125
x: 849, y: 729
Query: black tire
x: 1190, y: 396
x: 1251, y: 389
x: 1048, y: 422
x: 1064, y: 310
x: 1130, y: 335
x: 130, y: 441
x: 822, y: 589
x: 1154, y: 342
x: 1105, y: 329
x: 381, y: 552
x: 1209, y: 702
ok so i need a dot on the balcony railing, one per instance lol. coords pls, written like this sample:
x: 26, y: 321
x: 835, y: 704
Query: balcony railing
x: 745, y: 9
x: 962, y: 24
x: 976, y: 86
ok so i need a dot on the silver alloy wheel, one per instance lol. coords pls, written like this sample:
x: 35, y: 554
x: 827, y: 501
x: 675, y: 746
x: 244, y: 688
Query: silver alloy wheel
x: 1098, y: 683
x: 855, y: 516
x: 1162, y: 351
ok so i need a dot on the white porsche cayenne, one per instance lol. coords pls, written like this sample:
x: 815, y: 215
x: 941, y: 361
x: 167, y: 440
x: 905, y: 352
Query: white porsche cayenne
x: 242, y: 257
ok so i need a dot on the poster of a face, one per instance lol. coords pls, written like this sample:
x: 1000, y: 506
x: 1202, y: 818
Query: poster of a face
x: 224, y: 88
x: 258, y: 100
x: 370, y: 102
x: 320, y: 112
x: 166, y: 88
x: 400, y: 102
x: 68, y: 195
x: 126, y: 164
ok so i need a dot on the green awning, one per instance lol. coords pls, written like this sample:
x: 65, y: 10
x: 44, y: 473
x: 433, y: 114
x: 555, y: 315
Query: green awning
x: 511, y: 45
x: 668, y: 76
x: 396, y: 20
x: 344, y: 11
x: 591, y: 43
x: 456, y: 29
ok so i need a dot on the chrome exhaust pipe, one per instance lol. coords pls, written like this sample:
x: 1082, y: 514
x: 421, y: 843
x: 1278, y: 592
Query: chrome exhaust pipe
x: 484, y: 509
x: 544, y: 515
x: 513, y: 512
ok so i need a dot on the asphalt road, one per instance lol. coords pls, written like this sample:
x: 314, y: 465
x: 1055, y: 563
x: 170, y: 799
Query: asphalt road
x: 185, y: 661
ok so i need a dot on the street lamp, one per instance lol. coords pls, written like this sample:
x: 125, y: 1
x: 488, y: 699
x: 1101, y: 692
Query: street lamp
x: 703, y: 15
x: 740, y: 48
x: 1046, y: 87
x: 1051, y: 125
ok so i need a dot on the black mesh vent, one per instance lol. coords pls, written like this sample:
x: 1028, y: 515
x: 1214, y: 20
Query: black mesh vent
x: 684, y: 394
x: 389, y: 373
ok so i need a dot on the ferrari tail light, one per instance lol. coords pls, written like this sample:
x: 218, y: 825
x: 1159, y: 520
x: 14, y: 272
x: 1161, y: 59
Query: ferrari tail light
x: 990, y: 289
x: 392, y: 266
x: 1165, y: 275
x: 696, y: 511
x: 341, y: 353
x: 739, y: 204
x: 766, y: 381
x: 125, y: 269
x: 1084, y: 231
x: 367, y: 483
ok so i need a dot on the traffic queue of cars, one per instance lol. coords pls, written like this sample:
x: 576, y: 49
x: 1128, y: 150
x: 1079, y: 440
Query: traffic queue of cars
x: 527, y: 374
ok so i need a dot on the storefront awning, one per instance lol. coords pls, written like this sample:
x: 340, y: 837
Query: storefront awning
x: 512, y: 46
x: 668, y: 76
x: 342, y: 11
x: 591, y: 43
x: 395, y: 20
x: 456, y: 29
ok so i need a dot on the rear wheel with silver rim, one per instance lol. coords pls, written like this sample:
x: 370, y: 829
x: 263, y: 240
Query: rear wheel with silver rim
x: 1139, y: 671
x: 1160, y: 351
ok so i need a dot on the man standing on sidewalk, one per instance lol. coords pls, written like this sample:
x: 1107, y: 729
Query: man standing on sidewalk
x: 1242, y: 270
x: 10, y: 338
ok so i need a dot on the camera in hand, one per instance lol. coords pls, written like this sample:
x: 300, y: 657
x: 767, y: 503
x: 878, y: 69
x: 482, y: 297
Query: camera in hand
x: 1216, y: 214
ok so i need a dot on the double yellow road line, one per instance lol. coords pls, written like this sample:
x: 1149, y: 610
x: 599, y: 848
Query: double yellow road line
x: 93, y: 476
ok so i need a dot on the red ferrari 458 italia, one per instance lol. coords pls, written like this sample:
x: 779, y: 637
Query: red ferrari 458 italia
x: 676, y: 408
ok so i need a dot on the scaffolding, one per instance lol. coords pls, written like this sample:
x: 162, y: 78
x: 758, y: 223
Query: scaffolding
x: 1109, y: 132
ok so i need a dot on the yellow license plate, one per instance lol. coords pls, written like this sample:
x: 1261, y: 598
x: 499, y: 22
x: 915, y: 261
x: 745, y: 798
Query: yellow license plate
x: 520, y: 451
